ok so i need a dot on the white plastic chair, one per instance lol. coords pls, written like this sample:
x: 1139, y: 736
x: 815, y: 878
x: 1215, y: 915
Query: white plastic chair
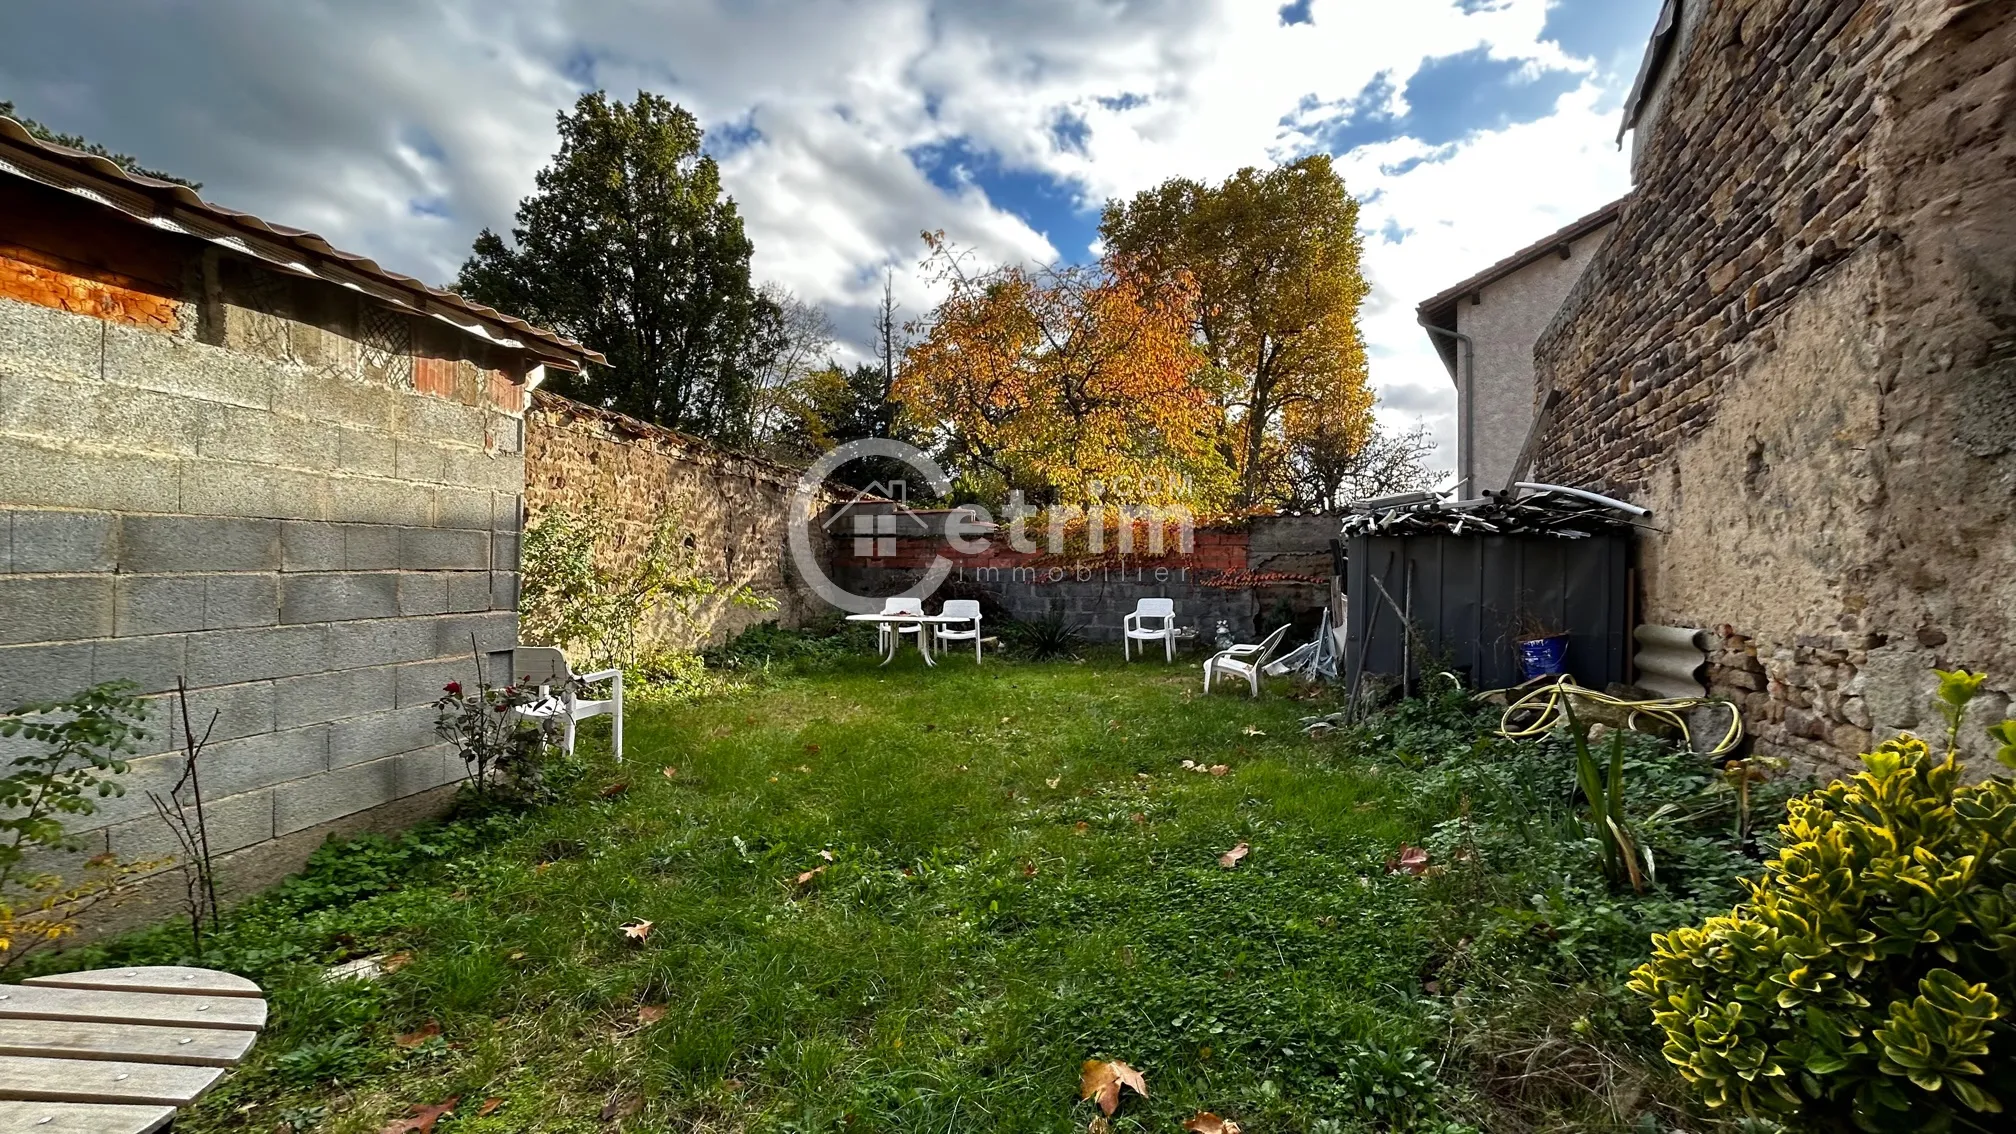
x: 960, y: 608
x: 547, y: 666
x: 1134, y: 628
x: 1243, y: 661
x: 886, y: 634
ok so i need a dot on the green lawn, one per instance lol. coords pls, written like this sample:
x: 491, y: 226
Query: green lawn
x: 1022, y: 876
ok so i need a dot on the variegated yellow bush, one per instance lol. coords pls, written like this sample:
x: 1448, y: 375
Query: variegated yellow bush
x: 1871, y: 976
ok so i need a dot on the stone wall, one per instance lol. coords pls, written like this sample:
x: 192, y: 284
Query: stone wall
x: 1799, y: 349
x: 218, y: 473
x: 732, y: 507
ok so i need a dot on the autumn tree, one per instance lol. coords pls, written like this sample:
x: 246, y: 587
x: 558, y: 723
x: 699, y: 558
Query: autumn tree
x: 1064, y: 383
x: 1270, y: 262
x: 630, y: 246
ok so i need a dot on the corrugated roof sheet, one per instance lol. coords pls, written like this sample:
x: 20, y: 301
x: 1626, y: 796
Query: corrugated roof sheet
x: 177, y: 208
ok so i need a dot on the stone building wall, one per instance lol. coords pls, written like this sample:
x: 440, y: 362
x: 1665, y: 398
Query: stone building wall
x: 732, y: 507
x: 300, y: 501
x: 1799, y: 349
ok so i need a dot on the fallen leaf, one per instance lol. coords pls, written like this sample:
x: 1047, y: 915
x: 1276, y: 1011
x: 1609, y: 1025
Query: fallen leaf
x: 620, y: 1107
x: 517, y: 956
x: 773, y: 779
x: 1231, y: 858
x: 811, y: 874
x: 615, y: 789
x: 1005, y: 720
x: 827, y: 855
x: 748, y: 720
x: 1412, y: 860
x: 1101, y: 1079
x: 1249, y: 730
x: 489, y: 1107
x: 542, y: 868
x: 1219, y: 769
x: 395, y: 962
x: 420, y: 1119
x: 813, y: 748
x: 1028, y: 870
x: 668, y: 771
x: 1082, y: 827
x: 1099, y: 1125
x: 426, y: 1031
x: 1055, y: 782
x: 1139, y: 817
x: 1190, y: 764
x: 1207, y: 1123
x: 732, y: 1084
x: 650, y: 1013
x: 637, y: 930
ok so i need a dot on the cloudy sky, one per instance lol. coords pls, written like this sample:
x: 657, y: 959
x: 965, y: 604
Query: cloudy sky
x: 400, y: 128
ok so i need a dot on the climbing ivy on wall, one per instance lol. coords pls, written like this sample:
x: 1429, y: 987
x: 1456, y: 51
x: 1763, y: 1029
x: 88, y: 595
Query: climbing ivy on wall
x: 580, y: 593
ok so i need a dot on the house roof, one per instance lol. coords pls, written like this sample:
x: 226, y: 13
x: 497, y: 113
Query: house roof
x: 176, y: 208
x: 1440, y: 309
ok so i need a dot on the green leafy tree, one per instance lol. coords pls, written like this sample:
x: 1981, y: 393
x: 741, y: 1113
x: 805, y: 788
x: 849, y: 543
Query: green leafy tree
x: 630, y: 246
x: 1271, y: 262
x: 127, y: 162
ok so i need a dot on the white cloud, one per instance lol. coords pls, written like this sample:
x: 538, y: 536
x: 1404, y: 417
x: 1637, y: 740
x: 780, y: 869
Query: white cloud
x: 399, y: 129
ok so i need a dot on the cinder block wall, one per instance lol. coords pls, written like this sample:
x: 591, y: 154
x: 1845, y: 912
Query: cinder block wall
x: 303, y: 504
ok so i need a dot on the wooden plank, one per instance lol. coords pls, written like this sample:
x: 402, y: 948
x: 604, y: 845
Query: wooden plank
x: 91, y: 1081
x: 142, y: 1043
x: 154, y: 978
x: 83, y: 1118
x: 34, y: 1002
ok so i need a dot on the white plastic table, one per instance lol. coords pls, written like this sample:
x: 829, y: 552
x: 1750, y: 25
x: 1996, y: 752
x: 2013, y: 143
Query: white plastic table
x: 117, y: 1051
x: 923, y: 638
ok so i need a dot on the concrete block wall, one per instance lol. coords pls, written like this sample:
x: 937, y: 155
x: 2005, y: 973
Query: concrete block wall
x: 310, y: 546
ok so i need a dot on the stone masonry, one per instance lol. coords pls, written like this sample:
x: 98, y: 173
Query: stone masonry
x: 733, y: 507
x: 302, y: 503
x: 1799, y: 349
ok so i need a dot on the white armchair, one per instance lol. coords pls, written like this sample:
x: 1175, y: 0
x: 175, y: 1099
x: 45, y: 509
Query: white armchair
x: 959, y: 608
x: 1153, y: 620
x: 886, y: 635
x: 1243, y: 661
x: 547, y: 667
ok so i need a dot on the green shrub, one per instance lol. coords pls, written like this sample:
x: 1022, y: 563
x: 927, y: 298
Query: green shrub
x: 1048, y: 638
x: 1868, y: 977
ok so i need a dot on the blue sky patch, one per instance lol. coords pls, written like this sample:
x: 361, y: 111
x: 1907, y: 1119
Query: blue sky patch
x: 1297, y: 12
x: 1048, y: 205
x: 1612, y: 32
x: 1448, y: 99
x: 725, y: 138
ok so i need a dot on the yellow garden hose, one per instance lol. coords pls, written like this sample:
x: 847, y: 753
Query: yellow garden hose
x: 1548, y: 705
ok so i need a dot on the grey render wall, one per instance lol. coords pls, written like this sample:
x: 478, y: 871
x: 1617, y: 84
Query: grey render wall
x: 1504, y: 327
x: 311, y: 548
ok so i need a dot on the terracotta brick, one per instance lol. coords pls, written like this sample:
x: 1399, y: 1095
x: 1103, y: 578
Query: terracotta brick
x: 50, y: 287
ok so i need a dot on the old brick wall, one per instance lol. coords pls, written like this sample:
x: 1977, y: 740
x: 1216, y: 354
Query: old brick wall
x: 1247, y: 575
x: 732, y: 506
x: 225, y: 475
x: 1799, y: 348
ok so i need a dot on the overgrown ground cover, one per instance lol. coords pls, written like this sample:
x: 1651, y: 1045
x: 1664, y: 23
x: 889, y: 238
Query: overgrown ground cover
x: 908, y: 900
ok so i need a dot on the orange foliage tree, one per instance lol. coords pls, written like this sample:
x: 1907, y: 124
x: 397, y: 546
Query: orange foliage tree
x: 1072, y: 384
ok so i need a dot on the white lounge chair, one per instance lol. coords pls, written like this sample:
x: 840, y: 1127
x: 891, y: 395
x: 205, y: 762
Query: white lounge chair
x: 959, y: 608
x: 545, y: 665
x: 886, y: 634
x: 1243, y: 661
x: 1135, y: 627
